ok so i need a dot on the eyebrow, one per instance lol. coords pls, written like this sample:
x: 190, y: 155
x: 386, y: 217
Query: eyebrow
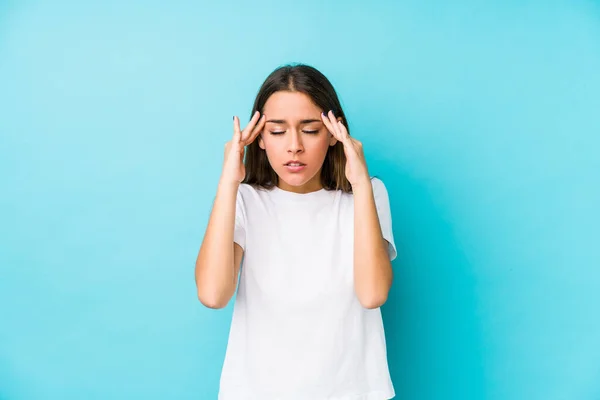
x: 304, y: 121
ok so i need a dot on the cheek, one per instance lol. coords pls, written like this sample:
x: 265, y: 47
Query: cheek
x: 319, y: 146
x: 275, y: 150
x: 270, y: 145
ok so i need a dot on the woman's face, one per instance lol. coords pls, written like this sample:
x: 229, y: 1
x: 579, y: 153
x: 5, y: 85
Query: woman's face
x: 294, y: 131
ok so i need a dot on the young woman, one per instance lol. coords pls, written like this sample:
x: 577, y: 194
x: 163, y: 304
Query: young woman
x: 314, y: 231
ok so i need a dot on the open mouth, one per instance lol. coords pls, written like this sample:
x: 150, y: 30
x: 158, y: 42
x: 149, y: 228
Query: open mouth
x: 294, y: 166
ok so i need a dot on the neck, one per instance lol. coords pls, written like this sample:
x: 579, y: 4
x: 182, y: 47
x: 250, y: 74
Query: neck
x: 311, y: 186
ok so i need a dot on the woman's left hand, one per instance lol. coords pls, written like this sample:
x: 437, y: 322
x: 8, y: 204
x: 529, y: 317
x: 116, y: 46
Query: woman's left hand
x: 356, y: 165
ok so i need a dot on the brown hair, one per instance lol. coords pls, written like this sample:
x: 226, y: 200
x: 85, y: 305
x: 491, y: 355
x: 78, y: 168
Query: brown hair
x: 308, y: 80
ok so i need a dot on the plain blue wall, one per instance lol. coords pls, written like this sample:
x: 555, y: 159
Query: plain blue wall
x: 483, y: 120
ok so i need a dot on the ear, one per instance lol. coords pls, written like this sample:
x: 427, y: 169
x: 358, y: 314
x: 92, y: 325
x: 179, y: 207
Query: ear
x: 332, y: 140
x: 261, y: 143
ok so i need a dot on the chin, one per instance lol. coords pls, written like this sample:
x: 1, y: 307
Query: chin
x: 295, y: 179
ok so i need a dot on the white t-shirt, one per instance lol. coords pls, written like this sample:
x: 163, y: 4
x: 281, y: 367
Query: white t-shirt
x: 298, y: 331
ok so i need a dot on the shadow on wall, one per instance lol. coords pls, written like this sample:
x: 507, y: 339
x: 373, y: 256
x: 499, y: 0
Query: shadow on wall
x: 431, y: 316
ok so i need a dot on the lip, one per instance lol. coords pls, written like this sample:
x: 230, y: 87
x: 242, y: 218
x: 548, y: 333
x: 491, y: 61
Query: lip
x: 294, y: 168
x: 295, y: 161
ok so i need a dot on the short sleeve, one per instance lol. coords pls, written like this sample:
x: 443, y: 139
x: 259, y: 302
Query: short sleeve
x: 382, y: 203
x: 239, y: 231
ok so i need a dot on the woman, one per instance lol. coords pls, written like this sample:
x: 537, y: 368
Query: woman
x: 314, y: 231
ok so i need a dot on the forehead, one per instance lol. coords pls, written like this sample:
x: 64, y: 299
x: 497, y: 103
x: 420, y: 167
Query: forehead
x: 290, y: 105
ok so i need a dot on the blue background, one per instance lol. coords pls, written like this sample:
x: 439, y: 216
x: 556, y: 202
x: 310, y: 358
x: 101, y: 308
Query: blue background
x: 482, y: 118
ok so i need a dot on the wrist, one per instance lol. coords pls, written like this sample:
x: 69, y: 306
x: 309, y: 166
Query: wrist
x: 362, y: 184
x: 226, y: 183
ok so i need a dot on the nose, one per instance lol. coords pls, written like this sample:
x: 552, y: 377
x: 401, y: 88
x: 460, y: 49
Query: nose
x: 295, y: 143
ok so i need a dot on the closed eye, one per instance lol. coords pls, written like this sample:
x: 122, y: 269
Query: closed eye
x: 282, y: 132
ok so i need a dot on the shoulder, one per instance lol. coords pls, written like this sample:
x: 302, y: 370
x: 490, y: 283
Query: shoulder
x: 247, y: 198
x: 248, y: 193
x: 246, y: 189
x: 244, y: 193
x: 378, y: 185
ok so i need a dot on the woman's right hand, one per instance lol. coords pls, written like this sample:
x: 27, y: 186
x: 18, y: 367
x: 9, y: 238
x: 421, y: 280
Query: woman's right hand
x: 234, y: 170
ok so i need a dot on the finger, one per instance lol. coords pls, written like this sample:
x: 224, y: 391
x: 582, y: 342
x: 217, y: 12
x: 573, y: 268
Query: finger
x: 330, y: 127
x: 248, y: 129
x: 346, y: 139
x: 343, y: 131
x: 333, y: 121
x: 257, y: 130
x: 339, y: 130
x: 237, y: 134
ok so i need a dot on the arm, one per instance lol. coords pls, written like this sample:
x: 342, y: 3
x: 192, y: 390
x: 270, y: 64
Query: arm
x: 219, y: 258
x: 372, y: 263
x: 372, y: 266
x: 218, y: 262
